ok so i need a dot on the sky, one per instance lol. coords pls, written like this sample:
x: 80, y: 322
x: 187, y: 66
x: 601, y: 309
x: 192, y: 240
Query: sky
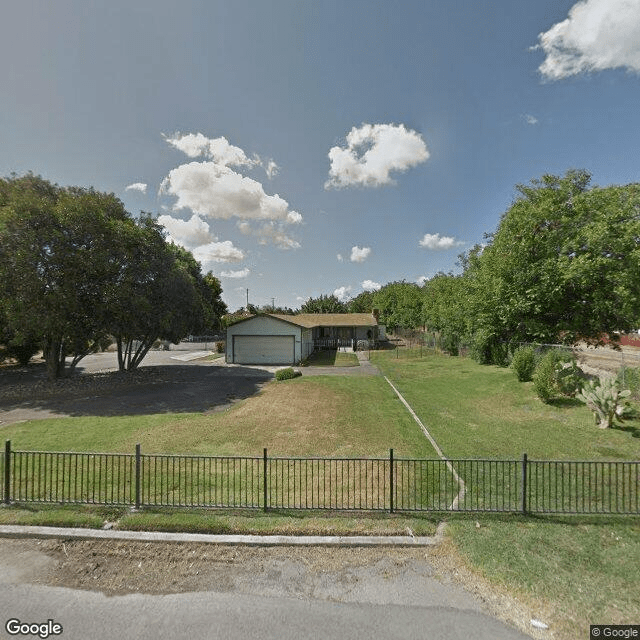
x: 301, y: 148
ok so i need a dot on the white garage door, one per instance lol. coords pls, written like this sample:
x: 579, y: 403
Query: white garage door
x: 263, y: 349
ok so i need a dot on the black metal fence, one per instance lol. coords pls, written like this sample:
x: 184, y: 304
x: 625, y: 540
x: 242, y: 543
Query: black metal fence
x: 360, y: 484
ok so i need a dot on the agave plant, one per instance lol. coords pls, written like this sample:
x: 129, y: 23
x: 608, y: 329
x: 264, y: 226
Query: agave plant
x: 605, y: 400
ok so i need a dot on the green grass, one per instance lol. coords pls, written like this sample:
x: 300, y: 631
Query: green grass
x: 577, y: 570
x: 331, y: 358
x: 308, y: 416
x: 476, y: 411
x: 219, y: 522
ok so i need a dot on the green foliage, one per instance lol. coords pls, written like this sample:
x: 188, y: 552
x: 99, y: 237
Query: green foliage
x: 556, y: 374
x: 524, y: 363
x: 486, y: 348
x: 400, y: 305
x: 444, y: 309
x: 75, y: 267
x: 605, y: 400
x: 220, y: 347
x: 323, y: 304
x: 563, y: 265
x: 544, y: 377
x: 287, y: 374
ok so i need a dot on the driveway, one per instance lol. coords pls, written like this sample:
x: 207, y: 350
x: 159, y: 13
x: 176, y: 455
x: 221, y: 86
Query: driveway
x: 162, y: 385
x: 175, y: 381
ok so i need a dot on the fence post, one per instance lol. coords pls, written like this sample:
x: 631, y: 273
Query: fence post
x: 264, y: 478
x: 138, y: 476
x: 524, y: 484
x: 390, y: 480
x: 7, y: 471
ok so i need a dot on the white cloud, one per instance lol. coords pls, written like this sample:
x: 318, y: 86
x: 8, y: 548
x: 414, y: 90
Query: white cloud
x: 359, y: 254
x: 218, y: 252
x: 439, y: 243
x: 217, y: 149
x: 372, y: 153
x: 597, y: 35
x: 370, y: 285
x: 340, y: 258
x: 529, y: 119
x: 271, y: 169
x: 214, y: 191
x: 189, y: 233
x: 342, y: 293
x: 137, y: 186
x: 274, y: 233
x: 420, y: 280
x: 242, y: 273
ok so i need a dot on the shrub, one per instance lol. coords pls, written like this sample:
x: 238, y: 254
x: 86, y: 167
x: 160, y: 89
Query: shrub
x: 220, y: 347
x: 486, y: 348
x: 557, y: 373
x: 524, y: 363
x: 605, y: 400
x: 544, y: 377
x: 287, y: 374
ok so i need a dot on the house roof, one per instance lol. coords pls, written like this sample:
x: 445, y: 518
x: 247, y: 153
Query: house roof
x: 310, y: 320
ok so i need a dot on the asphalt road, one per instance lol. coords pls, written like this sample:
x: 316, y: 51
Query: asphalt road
x: 283, y: 593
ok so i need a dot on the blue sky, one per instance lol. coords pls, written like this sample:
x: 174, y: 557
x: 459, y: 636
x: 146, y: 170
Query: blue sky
x: 300, y: 148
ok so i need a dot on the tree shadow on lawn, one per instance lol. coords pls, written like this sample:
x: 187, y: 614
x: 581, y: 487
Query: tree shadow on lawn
x: 176, y: 388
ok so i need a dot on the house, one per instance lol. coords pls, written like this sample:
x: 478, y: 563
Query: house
x: 280, y: 339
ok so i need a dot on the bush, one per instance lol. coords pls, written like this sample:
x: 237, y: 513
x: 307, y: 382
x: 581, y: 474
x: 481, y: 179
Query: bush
x: 287, y: 374
x: 524, y: 363
x: 220, y: 347
x: 486, y: 348
x: 557, y: 373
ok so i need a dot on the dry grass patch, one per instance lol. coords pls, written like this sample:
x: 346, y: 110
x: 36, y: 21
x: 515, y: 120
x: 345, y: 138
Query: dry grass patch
x: 323, y: 416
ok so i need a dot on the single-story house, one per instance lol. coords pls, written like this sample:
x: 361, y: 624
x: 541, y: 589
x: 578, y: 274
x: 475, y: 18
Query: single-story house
x: 276, y: 339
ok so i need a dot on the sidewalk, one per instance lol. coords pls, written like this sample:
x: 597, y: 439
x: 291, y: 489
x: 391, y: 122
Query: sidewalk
x: 21, y: 531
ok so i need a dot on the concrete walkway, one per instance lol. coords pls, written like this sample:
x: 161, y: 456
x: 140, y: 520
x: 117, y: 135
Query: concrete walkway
x: 77, y: 533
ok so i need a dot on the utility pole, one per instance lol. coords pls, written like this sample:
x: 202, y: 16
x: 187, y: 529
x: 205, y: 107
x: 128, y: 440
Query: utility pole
x: 273, y: 304
x: 247, y: 299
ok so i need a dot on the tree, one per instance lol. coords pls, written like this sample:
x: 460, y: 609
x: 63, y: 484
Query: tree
x: 445, y: 307
x: 400, y: 304
x: 563, y: 265
x: 362, y: 303
x: 323, y: 304
x: 58, y: 255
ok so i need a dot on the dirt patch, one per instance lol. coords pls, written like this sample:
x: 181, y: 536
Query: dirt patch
x: 418, y: 576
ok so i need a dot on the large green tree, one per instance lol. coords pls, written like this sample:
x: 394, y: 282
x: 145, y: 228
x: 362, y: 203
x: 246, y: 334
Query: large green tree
x: 563, y: 265
x: 76, y: 267
x: 58, y: 256
x: 324, y: 304
x: 400, y: 305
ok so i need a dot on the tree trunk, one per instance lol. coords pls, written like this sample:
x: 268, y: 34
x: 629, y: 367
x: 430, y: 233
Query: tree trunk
x: 55, y: 357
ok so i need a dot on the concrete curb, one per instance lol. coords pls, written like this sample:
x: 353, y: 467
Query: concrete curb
x: 21, y: 531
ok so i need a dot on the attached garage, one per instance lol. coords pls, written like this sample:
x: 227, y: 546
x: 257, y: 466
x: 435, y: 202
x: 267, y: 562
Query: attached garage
x: 266, y: 339
x: 264, y: 349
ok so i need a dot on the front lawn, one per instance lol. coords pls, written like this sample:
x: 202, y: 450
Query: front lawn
x: 308, y: 416
x: 569, y: 571
x: 332, y: 358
